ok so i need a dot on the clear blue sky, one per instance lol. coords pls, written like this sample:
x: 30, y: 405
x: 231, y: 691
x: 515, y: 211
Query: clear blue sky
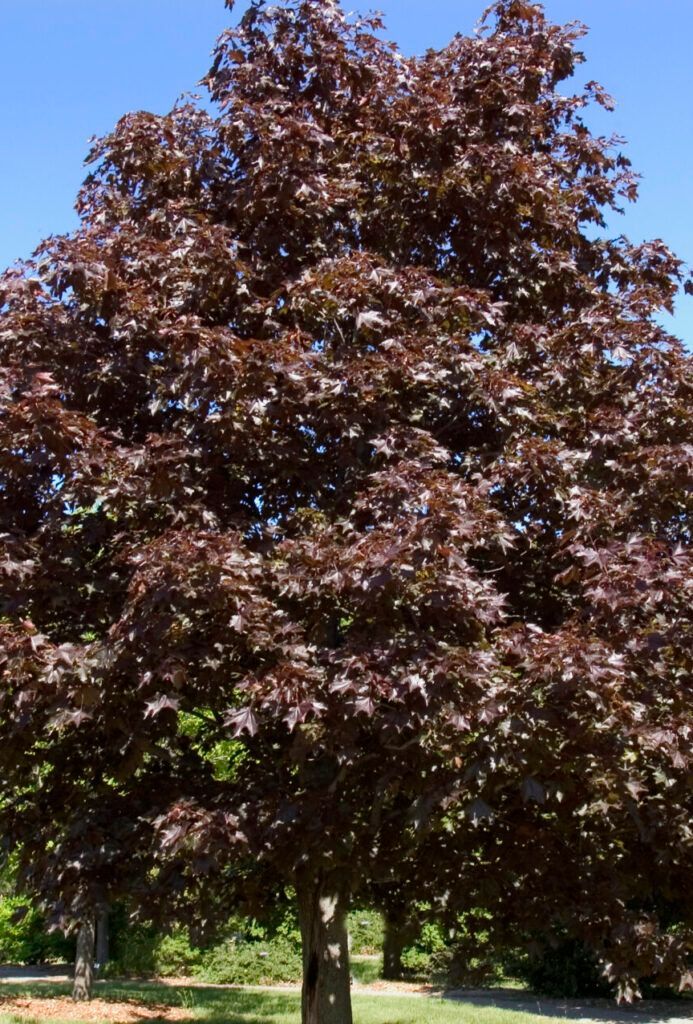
x: 69, y: 69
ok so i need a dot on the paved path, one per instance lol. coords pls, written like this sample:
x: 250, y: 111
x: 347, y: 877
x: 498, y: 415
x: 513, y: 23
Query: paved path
x: 38, y: 972
x: 587, y: 1011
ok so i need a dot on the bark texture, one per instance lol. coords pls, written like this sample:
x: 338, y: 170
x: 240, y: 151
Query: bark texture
x: 83, y: 985
x: 326, y: 995
x: 394, y: 942
x: 102, y: 939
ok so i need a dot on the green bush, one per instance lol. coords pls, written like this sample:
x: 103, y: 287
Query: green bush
x: 23, y: 935
x: 456, y: 967
x: 248, y: 953
x: 365, y: 932
x: 420, y: 958
x: 176, y: 956
x: 470, y: 958
x: 133, y: 950
x: 236, y: 962
x: 567, y: 969
x: 139, y: 951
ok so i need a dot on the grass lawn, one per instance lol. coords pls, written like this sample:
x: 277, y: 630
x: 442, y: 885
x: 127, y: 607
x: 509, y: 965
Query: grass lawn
x: 365, y: 969
x: 227, y: 1006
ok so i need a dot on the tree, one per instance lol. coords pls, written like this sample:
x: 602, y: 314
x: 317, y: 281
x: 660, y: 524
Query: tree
x: 337, y: 430
x: 75, y: 850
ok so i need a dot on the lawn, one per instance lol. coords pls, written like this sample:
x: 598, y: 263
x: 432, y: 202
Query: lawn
x: 228, y: 1006
x: 365, y: 969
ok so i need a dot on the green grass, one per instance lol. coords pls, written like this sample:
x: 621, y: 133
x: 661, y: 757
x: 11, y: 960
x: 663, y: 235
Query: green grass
x: 365, y: 970
x: 228, y: 1006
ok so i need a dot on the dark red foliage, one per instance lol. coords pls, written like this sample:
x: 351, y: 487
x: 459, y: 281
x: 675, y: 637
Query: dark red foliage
x: 338, y: 429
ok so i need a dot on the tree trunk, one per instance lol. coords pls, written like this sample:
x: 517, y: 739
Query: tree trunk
x: 395, y: 941
x: 84, y: 961
x: 326, y: 995
x: 102, y: 936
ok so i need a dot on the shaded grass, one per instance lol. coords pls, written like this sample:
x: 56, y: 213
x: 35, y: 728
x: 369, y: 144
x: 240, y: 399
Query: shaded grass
x: 207, y: 1005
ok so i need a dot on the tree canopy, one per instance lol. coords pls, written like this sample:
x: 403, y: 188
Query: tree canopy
x: 345, y: 500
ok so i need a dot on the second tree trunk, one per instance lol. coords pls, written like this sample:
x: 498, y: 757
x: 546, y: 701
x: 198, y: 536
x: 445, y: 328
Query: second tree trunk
x: 102, y: 937
x: 400, y: 931
x: 394, y: 943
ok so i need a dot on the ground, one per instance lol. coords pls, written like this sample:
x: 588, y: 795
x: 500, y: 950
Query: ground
x: 133, y: 1002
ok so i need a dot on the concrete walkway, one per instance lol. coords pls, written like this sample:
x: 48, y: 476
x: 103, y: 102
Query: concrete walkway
x: 38, y: 972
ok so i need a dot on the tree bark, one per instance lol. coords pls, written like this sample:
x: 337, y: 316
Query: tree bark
x: 83, y: 985
x: 102, y: 937
x: 395, y: 940
x: 322, y: 910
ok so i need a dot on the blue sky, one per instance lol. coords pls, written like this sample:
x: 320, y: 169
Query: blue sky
x: 69, y: 69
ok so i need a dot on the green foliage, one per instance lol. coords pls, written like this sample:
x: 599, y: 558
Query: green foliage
x: 473, y: 956
x: 141, y: 951
x: 568, y: 969
x: 23, y: 935
x: 248, y: 953
x: 453, y: 967
x: 365, y: 931
x: 420, y: 958
x: 224, y: 755
x: 175, y: 955
x: 252, y: 963
x: 133, y: 951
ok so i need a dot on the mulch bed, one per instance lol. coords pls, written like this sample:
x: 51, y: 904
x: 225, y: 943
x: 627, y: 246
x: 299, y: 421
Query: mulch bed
x: 97, y: 1010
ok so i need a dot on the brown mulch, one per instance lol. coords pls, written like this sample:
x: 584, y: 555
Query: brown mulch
x: 95, y: 1012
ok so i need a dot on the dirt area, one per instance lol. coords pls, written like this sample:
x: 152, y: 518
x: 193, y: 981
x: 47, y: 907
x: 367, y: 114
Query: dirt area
x: 94, y: 1012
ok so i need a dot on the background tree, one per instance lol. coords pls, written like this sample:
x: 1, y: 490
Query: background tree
x: 338, y: 428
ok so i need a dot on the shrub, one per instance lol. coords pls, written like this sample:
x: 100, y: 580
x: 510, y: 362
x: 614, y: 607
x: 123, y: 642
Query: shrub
x: 247, y: 952
x: 140, y: 951
x: 23, y: 935
x: 236, y: 962
x: 174, y: 955
x: 133, y: 950
x: 420, y: 957
x: 365, y: 932
x: 567, y: 969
